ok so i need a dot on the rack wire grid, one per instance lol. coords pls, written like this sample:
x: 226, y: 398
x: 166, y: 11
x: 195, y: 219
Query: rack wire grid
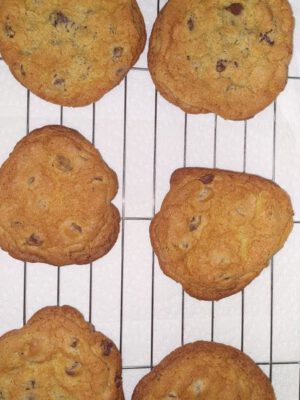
x: 125, y: 294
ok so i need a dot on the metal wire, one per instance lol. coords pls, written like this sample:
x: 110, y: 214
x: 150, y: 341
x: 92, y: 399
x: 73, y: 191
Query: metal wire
x: 212, y: 335
x: 257, y: 363
x: 272, y: 260
x: 269, y: 363
x: 153, y: 213
x: 184, y: 164
x: 25, y: 264
x: 243, y: 292
x: 123, y: 213
x: 61, y: 121
x: 91, y: 264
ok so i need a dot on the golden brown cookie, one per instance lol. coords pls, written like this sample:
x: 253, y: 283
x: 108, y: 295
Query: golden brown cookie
x: 71, y: 52
x: 59, y: 356
x: 230, y: 58
x: 217, y: 230
x: 206, y: 371
x: 55, y: 199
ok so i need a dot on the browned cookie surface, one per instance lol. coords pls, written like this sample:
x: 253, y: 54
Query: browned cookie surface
x: 59, y: 356
x: 217, y: 230
x: 71, y: 52
x: 230, y: 58
x: 55, y: 199
x: 206, y: 371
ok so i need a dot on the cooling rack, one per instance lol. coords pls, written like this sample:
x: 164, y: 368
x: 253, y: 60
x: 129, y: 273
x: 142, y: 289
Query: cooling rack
x: 125, y: 295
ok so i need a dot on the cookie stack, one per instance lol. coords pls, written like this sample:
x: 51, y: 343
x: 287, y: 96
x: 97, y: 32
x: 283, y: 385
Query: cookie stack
x: 216, y: 230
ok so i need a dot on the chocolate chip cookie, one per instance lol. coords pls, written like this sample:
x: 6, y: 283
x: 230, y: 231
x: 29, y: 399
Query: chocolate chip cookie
x: 229, y: 58
x: 208, y: 371
x: 59, y: 356
x: 55, y: 199
x: 217, y: 230
x: 71, y: 52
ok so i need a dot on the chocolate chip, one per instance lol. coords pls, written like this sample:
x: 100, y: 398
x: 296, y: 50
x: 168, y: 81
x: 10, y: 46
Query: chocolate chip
x: 22, y: 70
x: 224, y: 277
x: 73, y: 369
x: 205, y: 194
x: 118, y: 52
x: 235, y: 8
x: 16, y: 224
x: 74, y: 343
x: 231, y: 87
x: 190, y: 24
x: 76, y: 227
x: 78, y: 254
x: 106, y: 346
x: 34, y: 240
x: 31, y: 180
x: 30, y: 384
x: 118, y: 381
x: 9, y: 30
x: 57, y: 18
x: 184, y: 245
x: 112, y: 29
x: 221, y: 65
x: 121, y: 71
x: 42, y: 204
x: 206, y: 179
x: 236, y: 64
x: 55, y: 42
x: 265, y: 37
x: 89, y: 11
x: 240, y: 211
x: 197, y: 387
x: 83, y: 77
x: 63, y: 163
x: 59, y: 81
x: 195, y: 223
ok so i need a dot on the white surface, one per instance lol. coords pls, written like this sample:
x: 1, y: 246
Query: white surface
x: 140, y: 127
x: 132, y: 253
x: 137, y: 294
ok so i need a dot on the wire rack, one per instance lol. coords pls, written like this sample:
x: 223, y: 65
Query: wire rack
x: 125, y: 295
